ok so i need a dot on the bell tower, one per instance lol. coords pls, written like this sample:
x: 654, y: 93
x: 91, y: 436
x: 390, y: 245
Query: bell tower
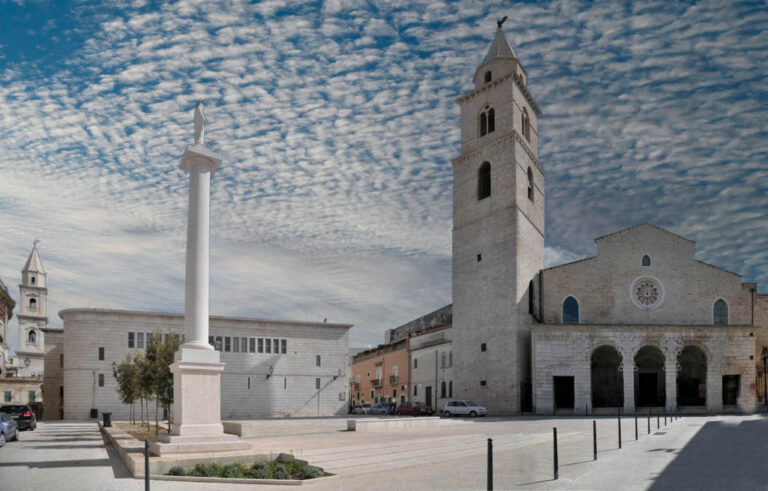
x: 33, y: 316
x: 498, y: 234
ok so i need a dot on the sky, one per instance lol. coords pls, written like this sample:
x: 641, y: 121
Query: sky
x: 338, y: 124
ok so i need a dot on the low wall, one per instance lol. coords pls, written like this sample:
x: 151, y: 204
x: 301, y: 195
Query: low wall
x: 394, y: 424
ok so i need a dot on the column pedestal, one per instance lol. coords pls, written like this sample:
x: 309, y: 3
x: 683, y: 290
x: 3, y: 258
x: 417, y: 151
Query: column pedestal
x: 197, y: 407
x: 670, y: 373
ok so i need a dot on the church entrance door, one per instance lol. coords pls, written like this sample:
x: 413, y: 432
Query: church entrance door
x: 692, y: 379
x: 564, y: 394
x: 650, y: 387
x: 607, y: 379
x: 730, y: 390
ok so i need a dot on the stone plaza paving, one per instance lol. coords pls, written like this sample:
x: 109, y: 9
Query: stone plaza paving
x: 701, y: 452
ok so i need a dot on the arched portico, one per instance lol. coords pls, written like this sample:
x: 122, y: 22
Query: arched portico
x: 692, y: 377
x: 607, y: 378
x: 650, y: 380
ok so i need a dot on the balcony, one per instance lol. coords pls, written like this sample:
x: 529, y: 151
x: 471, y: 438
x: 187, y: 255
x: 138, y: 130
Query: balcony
x: 376, y: 382
x: 393, y: 379
x: 356, y: 385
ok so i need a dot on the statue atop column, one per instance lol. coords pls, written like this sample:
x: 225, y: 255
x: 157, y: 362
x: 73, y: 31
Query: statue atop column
x: 200, y: 124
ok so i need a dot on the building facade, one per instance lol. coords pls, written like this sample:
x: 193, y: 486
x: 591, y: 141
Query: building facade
x: 273, y: 368
x: 381, y: 374
x: 432, y: 366
x: 6, y: 312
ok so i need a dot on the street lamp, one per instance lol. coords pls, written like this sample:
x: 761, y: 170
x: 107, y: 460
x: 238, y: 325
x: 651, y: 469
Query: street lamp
x: 764, y: 356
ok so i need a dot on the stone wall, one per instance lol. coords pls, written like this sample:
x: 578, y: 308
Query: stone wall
x: 53, y: 375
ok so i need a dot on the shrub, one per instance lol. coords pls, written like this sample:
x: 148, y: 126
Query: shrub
x: 232, y: 470
x: 258, y: 471
x: 291, y: 469
x: 311, y: 472
x: 176, y: 471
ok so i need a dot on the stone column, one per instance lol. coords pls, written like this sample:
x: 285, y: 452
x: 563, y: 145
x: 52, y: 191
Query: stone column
x: 628, y: 372
x: 197, y: 369
x: 714, y: 386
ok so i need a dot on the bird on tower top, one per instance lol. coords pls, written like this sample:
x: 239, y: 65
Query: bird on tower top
x: 200, y: 120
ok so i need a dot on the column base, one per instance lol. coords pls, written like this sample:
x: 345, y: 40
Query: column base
x: 173, y: 444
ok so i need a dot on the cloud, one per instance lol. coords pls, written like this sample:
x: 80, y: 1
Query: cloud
x: 338, y: 126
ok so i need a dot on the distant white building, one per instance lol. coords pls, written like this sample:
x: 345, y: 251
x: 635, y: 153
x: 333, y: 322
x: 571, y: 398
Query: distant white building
x: 432, y: 366
x: 273, y: 368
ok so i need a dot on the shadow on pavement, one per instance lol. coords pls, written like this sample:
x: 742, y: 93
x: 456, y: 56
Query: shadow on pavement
x: 720, y: 456
x: 57, y: 463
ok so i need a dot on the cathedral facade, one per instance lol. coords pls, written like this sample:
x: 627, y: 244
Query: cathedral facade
x: 643, y: 324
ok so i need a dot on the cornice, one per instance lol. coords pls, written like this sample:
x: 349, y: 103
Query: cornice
x: 498, y: 141
x: 518, y: 80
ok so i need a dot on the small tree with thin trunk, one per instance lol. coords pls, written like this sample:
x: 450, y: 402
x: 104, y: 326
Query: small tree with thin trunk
x: 125, y: 375
x: 164, y: 385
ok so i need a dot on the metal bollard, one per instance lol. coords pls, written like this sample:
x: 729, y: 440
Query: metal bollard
x: 665, y: 419
x: 635, y: 426
x: 554, y: 449
x: 146, y: 465
x: 619, y: 420
x: 594, y: 440
x: 649, y: 421
x: 657, y: 421
x: 490, y: 464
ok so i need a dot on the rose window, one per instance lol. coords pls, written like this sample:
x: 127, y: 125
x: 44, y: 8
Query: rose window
x: 647, y: 293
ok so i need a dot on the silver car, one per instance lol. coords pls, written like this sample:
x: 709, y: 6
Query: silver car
x: 463, y: 408
x: 9, y: 430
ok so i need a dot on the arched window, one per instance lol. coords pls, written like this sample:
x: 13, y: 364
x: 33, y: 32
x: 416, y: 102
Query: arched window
x: 442, y: 389
x: 646, y: 260
x: 32, y: 280
x: 487, y: 76
x: 487, y: 121
x: 570, y: 311
x: 484, y: 181
x: 720, y: 313
x: 32, y: 337
x: 530, y: 184
x: 32, y: 304
x: 526, y: 125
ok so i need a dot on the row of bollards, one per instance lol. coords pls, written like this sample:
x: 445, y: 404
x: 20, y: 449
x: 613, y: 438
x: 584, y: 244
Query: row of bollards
x: 555, y: 469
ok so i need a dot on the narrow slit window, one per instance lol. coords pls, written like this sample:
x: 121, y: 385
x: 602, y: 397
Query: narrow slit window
x: 484, y: 181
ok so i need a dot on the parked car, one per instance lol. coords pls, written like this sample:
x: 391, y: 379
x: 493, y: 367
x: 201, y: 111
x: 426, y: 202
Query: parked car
x: 415, y: 409
x: 9, y: 430
x: 379, y: 409
x: 22, y: 414
x: 466, y: 408
x: 362, y: 408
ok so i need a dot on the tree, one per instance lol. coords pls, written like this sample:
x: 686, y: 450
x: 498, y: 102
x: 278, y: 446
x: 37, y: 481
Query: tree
x: 164, y: 381
x: 144, y: 384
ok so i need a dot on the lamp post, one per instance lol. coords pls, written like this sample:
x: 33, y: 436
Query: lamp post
x: 764, y: 356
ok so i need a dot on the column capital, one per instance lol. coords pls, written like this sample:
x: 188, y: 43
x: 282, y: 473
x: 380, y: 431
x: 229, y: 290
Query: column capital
x: 200, y: 155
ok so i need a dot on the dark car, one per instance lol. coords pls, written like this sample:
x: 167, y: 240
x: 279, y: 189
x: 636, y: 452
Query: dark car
x: 415, y: 409
x: 22, y: 414
x: 9, y: 430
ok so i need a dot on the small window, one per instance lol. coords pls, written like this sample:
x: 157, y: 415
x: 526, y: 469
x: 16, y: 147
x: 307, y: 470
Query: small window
x: 479, y: 257
x: 32, y: 337
x: 249, y: 382
x: 530, y: 184
x: 31, y: 396
x: 283, y: 346
x: 482, y: 383
x: 720, y: 313
x: 285, y: 382
x: 61, y: 360
x: 101, y: 354
x: 450, y: 358
x: 261, y: 345
x: 131, y: 340
x: 646, y: 261
x: 32, y: 304
x: 483, y: 347
x: 61, y: 391
x: 317, y: 383
x: 450, y: 388
x: 236, y: 345
x: 140, y: 340
x: 526, y: 124
x: 149, y: 338
x: 487, y: 76
x: 317, y: 360
x: 267, y: 345
x: 32, y: 280
x: 415, y: 363
x: 252, y: 345
x: 484, y: 181
x: 443, y: 390
x: 443, y: 359
x: 570, y: 311
x: 227, y: 343
x: 243, y: 345
x: 415, y: 390
x: 101, y: 380
x: 7, y: 396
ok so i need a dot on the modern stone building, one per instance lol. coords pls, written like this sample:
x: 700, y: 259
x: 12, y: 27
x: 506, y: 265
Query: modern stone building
x: 273, y: 368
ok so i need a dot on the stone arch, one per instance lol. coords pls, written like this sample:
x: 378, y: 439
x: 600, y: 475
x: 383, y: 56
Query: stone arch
x: 650, y: 379
x: 692, y: 375
x: 607, y: 377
